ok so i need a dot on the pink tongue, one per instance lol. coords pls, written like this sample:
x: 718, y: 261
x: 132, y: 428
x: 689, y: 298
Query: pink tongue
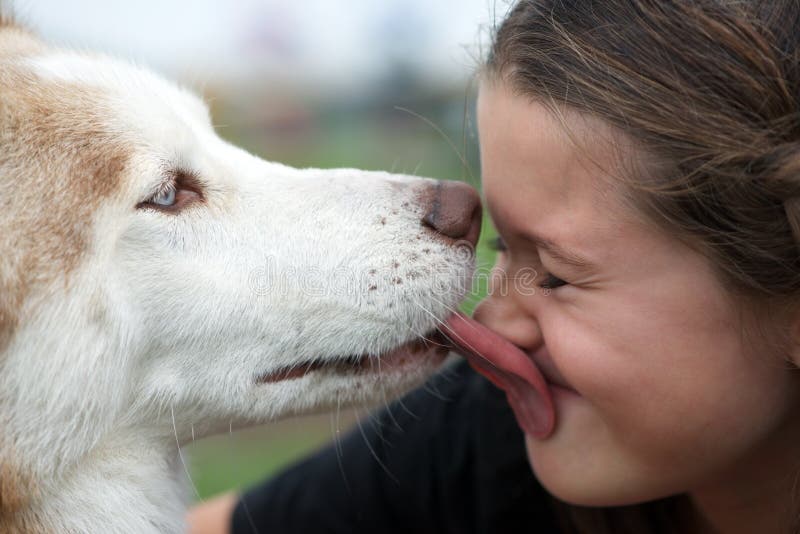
x: 508, y: 368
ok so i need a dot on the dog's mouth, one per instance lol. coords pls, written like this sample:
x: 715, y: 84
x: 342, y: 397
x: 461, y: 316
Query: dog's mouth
x: 401, y: 355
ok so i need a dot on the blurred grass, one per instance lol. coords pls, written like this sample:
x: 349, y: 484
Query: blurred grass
x: 235, y: 461
x: 398, y: 142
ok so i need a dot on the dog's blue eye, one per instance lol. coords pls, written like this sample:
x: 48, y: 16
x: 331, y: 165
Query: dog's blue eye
x: 165, y: 198
x: 171, y: 197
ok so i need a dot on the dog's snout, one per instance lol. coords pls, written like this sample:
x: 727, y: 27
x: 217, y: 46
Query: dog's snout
x: 453, y: 210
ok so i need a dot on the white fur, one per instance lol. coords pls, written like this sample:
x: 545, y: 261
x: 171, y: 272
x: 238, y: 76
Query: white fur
x: 175, y: 316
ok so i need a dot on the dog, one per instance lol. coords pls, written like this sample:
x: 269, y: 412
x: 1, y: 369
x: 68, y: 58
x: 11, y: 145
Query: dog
x: 158, y: 283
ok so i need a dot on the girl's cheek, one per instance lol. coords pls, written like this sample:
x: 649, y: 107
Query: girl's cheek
x: 593, y: 369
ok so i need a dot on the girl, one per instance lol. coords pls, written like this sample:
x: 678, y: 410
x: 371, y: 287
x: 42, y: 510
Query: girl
x: 643, y: 156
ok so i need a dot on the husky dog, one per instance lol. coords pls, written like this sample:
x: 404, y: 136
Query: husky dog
x: 157, y: 282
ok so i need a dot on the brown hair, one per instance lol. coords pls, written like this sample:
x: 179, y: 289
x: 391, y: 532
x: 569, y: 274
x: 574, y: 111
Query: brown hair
x: 709, y: 91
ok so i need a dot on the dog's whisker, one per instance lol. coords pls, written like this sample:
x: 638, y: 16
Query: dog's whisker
x: 448, y: 374
x: 426, y: 386
x: 451, y: 309
x: 438, y: 130
x: 377, y: 425
x: 372, y: 450
x: 180, y: 455
x: 436, y: 393
x: 337, y: 429
x: 463, y: 342
x: 422, y: 336
x: 337, y: 442
x: 385, y: 399
x: 407, y: 410
x: 426, y: 310
x: 231, y: 454
x: 411, y: 329
x: 465, y: 120
x: 437, y: 321
x: 444, y: 305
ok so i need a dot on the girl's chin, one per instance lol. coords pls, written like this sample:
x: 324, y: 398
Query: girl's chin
x: 562, y: 463
x: 581, y: 486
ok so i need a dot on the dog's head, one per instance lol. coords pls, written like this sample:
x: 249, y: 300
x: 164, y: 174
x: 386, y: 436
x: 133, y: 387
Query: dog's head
x: 150, y: 272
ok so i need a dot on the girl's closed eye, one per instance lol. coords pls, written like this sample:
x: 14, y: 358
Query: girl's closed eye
x: 552, y: 282
x: 549, y: 281
x: 497, y: 244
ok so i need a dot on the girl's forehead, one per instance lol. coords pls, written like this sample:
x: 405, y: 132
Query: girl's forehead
x: 561, y: 154
x: 550, y: 174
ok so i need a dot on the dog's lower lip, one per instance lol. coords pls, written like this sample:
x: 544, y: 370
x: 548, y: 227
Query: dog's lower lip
x: 359, y: 362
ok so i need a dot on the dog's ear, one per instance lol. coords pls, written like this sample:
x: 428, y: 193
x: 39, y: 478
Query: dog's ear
x: 9, y: 20
x: 15, y: 38
x: 6, y: 16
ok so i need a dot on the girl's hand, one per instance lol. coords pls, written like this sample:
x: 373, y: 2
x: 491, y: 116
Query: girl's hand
x: 212, y: 516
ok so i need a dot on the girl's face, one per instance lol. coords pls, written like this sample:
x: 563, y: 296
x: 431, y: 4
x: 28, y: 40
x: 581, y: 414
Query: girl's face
x: 667, y: 397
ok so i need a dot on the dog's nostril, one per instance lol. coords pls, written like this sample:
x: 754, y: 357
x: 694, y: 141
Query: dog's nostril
x: 453, y: 209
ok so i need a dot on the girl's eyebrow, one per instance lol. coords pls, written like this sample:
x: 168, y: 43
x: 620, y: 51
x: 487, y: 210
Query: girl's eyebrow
x: 553, y: 249
x: 559, y: 253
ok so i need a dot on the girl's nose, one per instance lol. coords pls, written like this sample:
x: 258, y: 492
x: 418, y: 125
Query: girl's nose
x: 503, y: 314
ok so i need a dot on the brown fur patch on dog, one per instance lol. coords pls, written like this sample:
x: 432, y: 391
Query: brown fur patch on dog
x: 5, y: 15
x: 59, y: 160
x: 17, y: 490
x: 16, y: 40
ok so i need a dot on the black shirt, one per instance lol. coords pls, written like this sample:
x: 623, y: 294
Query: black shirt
x: 447, y: 458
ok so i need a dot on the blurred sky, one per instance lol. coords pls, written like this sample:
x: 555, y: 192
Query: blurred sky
x: 340, y: 44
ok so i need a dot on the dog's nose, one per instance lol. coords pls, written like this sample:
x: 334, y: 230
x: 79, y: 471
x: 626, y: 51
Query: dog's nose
x: 453, y: 209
